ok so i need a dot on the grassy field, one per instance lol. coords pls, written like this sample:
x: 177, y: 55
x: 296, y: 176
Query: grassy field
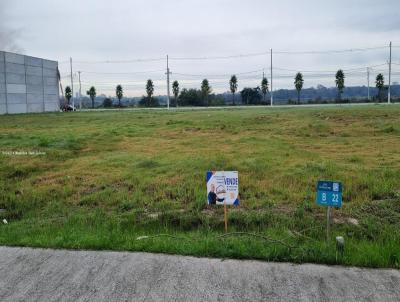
x: 103, y: 179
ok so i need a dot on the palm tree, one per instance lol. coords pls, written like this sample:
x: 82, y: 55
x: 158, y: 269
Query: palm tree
x: 233, y: 87
x: 205, y: 90
x: 340, y: 82
x: 380, y: 83
x: 298, y: 83
x: 92, y: 93
x: 68, y: 93
x: 175, y: 91
x: 119, y: 93
x: 264, y: 87
x: 149, y: 91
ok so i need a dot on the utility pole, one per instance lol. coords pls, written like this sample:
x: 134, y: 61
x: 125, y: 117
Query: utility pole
x: 368, y: 81
x: 272, y: 97
x: 390, y: 69
x: 72, y: 84
x: 80, y: 91
x: 168, y: 84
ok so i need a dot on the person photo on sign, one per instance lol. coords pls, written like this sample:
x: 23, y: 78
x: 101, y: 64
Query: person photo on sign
x: 212, y: 196
x: 221, y: 191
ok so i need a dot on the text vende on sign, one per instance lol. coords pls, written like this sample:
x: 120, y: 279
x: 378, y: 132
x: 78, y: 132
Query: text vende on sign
x: 222, y: 187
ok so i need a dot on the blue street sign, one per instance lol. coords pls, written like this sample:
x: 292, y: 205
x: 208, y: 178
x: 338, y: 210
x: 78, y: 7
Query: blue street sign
x: 329, y: 193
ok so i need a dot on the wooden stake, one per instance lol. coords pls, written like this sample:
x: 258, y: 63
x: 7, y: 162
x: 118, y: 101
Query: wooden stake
x: 225, y: 217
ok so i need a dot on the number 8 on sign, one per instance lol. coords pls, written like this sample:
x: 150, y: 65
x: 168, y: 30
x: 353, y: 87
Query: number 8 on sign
x: 329, y: 193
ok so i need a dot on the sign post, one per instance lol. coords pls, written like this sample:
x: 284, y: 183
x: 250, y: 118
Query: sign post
x: 225, y: 218
x: 328, y: 222
x: 225, y: 211
x: 329, y: 194
x: 223, y: 189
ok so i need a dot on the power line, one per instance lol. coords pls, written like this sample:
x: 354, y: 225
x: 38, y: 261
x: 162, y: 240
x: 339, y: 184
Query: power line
x: 264, y: 53
x: 330, y: 71
x: 224, y: 81
x: 223, y: 78
x: 236, y: 56
x: 348, y: 70
x: 120, y: 61
x: 331, y: 51
x: 219, y: 57
x: 120, y: 73
x: 217, y: 75
x: 244, y: 75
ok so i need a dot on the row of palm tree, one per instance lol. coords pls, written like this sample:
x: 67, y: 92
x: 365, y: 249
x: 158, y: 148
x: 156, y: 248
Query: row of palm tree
x: 339, y: 81
x: 233, y: 86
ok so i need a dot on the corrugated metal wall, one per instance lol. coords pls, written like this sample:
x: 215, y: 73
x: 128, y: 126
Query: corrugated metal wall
x: 27, y: 84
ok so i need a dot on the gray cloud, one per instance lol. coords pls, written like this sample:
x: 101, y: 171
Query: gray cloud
x: 381, y: 22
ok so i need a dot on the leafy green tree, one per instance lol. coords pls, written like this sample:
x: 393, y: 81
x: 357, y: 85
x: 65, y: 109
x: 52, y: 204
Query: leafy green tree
x: 298, y: 83
x: 92, y: 94
x: 119, y: 93
x: 340, y: 82
x: 149, y: 91
x: 145, y: 102
x: 264, y: 87
x: 205, y: 90
x: 233, y: 85
x: 175, y: 91
x: 191, y: 97
x: 380, y: 84
x: 251, y: 96
x: 68, y: 93
x: 107, y: 103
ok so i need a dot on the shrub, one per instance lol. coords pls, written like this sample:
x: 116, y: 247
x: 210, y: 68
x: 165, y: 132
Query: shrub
x: 107, y: 103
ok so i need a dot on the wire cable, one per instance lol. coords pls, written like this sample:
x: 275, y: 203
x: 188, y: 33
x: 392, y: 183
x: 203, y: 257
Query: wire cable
x: 246, y: 55
x: 122, y: 73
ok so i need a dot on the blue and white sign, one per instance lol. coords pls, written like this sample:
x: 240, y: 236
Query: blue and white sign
x: 222, y: 187
x: 329, y: 193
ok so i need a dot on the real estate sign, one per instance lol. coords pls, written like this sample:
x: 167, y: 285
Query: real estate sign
x: 223, y: 187
x: 329, y: 193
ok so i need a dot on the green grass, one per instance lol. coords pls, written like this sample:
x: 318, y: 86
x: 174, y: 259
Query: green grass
x: 107, y: 178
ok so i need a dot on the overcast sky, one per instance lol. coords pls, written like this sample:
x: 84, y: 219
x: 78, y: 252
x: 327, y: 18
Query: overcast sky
x: 100, y: 30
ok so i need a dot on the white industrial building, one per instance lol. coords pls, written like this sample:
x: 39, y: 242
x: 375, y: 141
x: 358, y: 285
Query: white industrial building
x: 28, y: 84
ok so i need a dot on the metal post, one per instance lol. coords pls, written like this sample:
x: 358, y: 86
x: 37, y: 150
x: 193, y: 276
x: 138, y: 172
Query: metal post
x: 390, y: 69
x: 168, y: 101
x: 328, y: 223
x: 272, y: 97
x: 72, y: 84
x: 80, y: 91
x: 368, y: 81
